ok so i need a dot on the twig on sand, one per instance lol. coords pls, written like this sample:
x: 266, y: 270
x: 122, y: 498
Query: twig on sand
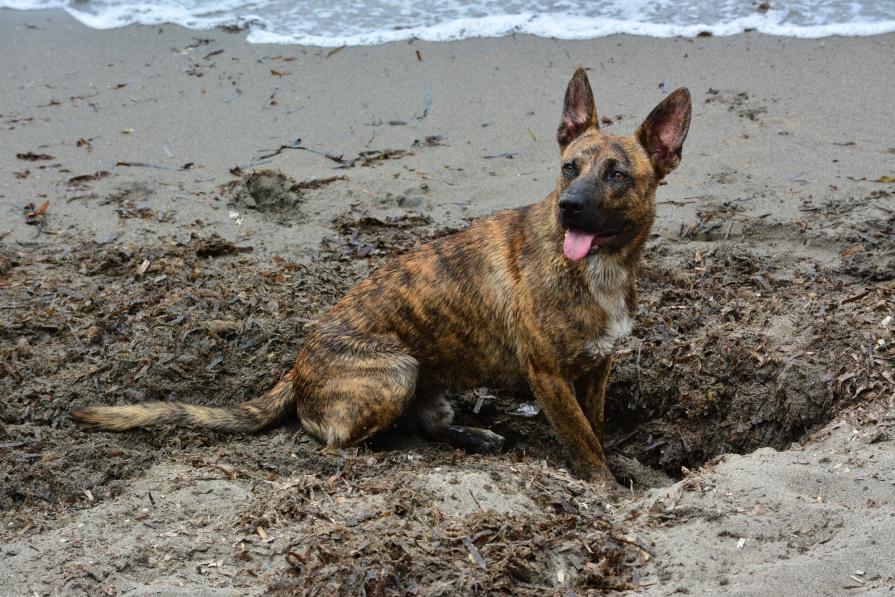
x: 335, y: 51
x: 475, y: 500
x: 616, y: 442
x: 186, y: 166
x: 636, y: 544
x: 294, y: 145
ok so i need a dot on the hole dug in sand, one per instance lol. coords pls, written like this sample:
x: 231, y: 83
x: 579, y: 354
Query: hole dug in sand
x: 273, y: 193
x: 267, y: 191
x: 731, y: 354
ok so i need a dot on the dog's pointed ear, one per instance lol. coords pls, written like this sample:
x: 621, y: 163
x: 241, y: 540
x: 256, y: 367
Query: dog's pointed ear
x: 663, y: 132
x: 579, y: 111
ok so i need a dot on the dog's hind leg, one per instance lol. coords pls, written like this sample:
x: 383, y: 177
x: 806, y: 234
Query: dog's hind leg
x: 357, y: 398
x: 472, y: 439
x: 430, y: 415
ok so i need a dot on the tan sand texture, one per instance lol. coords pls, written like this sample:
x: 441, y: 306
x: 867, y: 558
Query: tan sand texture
x: 140, y: 259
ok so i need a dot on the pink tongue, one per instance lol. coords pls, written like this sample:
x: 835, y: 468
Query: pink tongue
x: 577, y: 244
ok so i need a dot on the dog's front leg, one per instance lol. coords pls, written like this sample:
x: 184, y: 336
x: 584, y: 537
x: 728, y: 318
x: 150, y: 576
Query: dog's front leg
x: 591, y: 393
x: 557, y: 397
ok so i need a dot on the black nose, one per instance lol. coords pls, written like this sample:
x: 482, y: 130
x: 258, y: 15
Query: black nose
x: 571, y: 204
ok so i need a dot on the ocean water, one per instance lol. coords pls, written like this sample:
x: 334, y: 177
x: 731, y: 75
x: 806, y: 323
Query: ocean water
x: 362, y: 22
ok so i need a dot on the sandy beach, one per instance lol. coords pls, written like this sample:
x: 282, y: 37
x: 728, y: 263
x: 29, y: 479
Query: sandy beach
x: 176, y: 207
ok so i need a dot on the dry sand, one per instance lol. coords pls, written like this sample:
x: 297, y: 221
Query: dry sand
x: 774, y: 244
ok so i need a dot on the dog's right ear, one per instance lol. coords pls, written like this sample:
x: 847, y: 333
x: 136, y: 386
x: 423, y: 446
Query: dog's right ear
x: 579, y: 111
x: 663, y: 132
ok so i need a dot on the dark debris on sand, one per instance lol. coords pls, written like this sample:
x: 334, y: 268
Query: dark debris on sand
x: 402, y: 542
x: 730, y: 353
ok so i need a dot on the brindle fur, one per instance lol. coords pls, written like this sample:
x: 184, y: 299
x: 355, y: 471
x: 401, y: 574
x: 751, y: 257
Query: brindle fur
x: 497, y: 303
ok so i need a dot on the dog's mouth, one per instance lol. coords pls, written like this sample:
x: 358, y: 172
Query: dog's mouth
x: 579, y: 244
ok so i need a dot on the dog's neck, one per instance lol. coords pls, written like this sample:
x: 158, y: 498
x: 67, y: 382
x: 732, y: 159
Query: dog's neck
x: 606, y: 274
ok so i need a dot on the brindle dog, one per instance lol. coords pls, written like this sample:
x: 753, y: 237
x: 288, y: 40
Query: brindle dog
x: 537, y: 295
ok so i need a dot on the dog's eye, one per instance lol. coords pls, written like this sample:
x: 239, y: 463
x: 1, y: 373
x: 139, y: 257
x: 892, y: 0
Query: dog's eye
x: 570, y: 169
x: 618, y: 176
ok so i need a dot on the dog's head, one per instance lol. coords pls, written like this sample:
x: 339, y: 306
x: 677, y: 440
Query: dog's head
x: 606, y: 189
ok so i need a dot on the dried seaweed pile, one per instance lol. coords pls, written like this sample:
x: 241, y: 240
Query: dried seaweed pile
x: 367, y: 236
x: 728, y: 355
x: 871, y: 255
x: 370, y: 529
x: 98, y: 324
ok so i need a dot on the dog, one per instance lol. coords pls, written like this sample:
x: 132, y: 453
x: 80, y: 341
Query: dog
x: 538, y: 295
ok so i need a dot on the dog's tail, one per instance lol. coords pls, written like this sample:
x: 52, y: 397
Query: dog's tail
x: 265, y: 410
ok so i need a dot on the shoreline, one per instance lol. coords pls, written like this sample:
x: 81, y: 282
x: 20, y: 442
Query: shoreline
x: 558, y: 26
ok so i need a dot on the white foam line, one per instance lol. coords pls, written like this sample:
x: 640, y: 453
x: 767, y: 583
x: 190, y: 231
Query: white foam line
x: 561, y: 26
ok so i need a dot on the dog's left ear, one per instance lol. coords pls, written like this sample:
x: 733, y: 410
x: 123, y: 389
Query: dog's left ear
x: 579, y: 111
x: 663, y: 132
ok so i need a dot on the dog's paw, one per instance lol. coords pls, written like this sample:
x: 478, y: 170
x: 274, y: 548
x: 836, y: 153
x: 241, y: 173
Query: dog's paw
x: 604, y: 477
x: 473, y: 439
x: 597, y: 473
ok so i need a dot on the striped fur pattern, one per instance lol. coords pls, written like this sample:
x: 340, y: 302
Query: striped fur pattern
x: 265, y: 410
x: 497, y: 304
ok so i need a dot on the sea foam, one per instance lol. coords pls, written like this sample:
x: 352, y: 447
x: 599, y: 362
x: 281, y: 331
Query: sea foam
x: 331, y: 24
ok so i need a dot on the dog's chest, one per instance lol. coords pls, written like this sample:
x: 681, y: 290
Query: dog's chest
x: 608, y: 284
x: 617, y: 325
